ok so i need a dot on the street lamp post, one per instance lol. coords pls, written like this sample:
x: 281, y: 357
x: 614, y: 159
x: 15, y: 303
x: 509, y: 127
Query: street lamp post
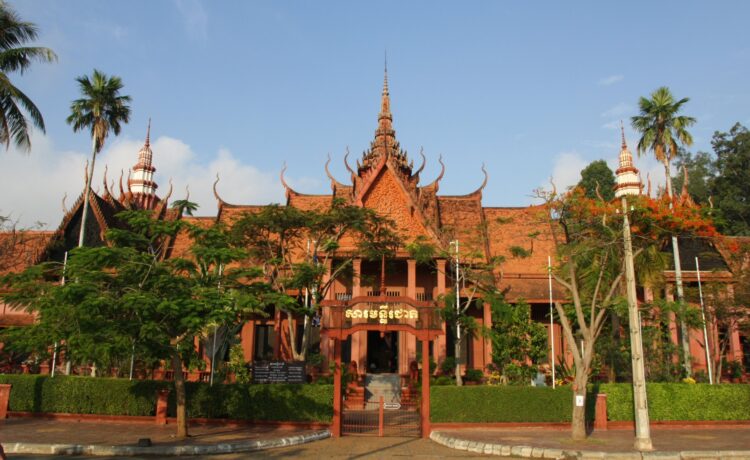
x: 640, y: 401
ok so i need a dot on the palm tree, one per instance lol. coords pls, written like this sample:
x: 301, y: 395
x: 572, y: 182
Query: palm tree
x: 17, y: 58
x: 101, y: 109
x: 661, y: 130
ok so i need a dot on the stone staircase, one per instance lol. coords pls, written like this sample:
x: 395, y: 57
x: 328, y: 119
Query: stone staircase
x: 386, y: 385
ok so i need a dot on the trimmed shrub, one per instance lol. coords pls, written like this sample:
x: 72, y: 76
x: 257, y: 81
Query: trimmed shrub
x: 82, y: 395
x: 680, y: 401
x: 104, y: 396
x: 475, y: 404
x: 275, y: 402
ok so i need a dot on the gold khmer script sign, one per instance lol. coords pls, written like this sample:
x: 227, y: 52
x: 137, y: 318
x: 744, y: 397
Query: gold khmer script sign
x: 382, y: 313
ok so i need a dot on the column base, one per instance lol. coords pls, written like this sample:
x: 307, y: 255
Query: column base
x: 643, y: 444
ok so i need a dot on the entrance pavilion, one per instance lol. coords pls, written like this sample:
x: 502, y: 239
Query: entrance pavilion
x: 382, y: 318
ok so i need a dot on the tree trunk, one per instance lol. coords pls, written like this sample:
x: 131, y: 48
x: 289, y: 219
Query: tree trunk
x: 180, y: 396
x: 579, y: 407
x: 86, y: 193
x: 457, y: 351
x: 292, y: 336
x: 684, y: 333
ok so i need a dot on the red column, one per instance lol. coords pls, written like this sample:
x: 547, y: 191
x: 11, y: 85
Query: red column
x: 336, y: 428
x: 440, y: 343
x: 425, y: 388
x: 600, y: 415
x: 487, y: 320
x: 4, y: 399
x: 247, y: 339
x: 161, y: 406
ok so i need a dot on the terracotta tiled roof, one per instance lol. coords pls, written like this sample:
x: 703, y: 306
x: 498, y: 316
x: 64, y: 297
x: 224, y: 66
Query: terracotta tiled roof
x: 310, y: 202
x: 22, y: 249
x: 181, y: 244
x: 461, y: 218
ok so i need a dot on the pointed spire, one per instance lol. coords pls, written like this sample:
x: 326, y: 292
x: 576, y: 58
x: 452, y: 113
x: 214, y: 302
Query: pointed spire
x: 385, y: 100
x: 628, y: 179
x: 148, y: 133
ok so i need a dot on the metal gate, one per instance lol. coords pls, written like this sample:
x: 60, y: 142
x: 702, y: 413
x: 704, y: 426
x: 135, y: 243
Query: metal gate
x: 379, y: 418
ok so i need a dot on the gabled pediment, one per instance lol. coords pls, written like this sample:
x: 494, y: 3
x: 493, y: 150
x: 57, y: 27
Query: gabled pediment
x: 387, y: 195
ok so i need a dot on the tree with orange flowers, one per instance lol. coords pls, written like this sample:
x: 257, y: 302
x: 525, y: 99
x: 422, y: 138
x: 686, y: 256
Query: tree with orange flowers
x: 589, y: 237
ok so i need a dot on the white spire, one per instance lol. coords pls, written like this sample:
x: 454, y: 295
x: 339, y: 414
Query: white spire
x: 628, y: 180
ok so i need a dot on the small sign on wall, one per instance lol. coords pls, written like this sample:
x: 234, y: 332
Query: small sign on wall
x: 579, y: 400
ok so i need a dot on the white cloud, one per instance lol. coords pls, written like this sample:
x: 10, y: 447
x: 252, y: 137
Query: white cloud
x: 610, y: 80
x: 617, y: 111
x: 567, y: 170
x: 194, y: 17
x: 32, y: 186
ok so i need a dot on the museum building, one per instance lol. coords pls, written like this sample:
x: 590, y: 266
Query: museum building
x: 385, y: 180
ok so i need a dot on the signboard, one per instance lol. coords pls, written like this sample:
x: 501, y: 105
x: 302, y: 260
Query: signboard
x: 384, y: 313
x: 279, y: 372
x: 392, y: 406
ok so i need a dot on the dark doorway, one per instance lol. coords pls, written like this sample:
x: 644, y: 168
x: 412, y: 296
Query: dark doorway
x: 382, y: 352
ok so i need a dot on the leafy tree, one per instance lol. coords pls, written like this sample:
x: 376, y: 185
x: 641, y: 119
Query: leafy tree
x: 101, y: 109
x: 16, y: 57
x: 518, y: 343
x: 598, y: 178
x: 662, y: 131
x: 700, y: 170
x: 731, y: 186
x: 295, y: 248
x: 127, y: 297
x: 591, y: 267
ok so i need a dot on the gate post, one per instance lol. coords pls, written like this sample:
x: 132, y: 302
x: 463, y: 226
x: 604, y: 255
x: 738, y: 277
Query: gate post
x: 425, y: 387
x: 336, y: 428
x: 380, y: 417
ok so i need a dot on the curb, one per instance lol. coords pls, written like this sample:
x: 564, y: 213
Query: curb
x: 164, y: 451
x: 506, y: 450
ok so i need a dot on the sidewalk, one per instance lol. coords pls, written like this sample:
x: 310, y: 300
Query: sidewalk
x: 40, y: 436
x: 669, y: 443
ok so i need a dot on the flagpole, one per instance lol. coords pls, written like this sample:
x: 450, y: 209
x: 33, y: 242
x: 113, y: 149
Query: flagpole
x: 62, y: 283
x: 705, y: 333
x: 551, y: 323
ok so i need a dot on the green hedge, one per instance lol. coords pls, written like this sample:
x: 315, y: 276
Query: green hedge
x: 680, y: 401
x: 482, y: 403
x: 82, y: 395
x: 104, y: 396
x: 667, y: 401
x: 302, y: 403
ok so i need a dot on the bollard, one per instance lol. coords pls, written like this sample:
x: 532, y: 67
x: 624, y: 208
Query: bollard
x: 600, y: 412
x: 162, y: 396
x: 4, y: 400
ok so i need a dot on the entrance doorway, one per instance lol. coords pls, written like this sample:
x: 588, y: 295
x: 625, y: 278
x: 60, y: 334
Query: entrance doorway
x: 382, y: 352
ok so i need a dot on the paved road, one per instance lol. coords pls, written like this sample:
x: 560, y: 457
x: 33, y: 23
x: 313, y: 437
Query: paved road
x: 352, y: 447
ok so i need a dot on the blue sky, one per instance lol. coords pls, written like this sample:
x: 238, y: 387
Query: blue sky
x: 531, y: 89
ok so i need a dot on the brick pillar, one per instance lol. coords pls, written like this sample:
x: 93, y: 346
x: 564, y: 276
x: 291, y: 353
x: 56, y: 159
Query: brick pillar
x: 162, y: 397
x: 4, y: 400
x: 487, y: 320
x: 411, y: 279
x: 337, y: 393
x: 600, y: 412
x: 247, y: 339
x: 359, y: 339
x: 356, y: 280
x: 425, y: 388
x: 439, y: 347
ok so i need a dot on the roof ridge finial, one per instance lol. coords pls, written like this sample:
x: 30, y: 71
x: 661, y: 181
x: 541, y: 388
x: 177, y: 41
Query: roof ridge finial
x: 385, y: 74
x: 148, y: 133
x: 622, y: 131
